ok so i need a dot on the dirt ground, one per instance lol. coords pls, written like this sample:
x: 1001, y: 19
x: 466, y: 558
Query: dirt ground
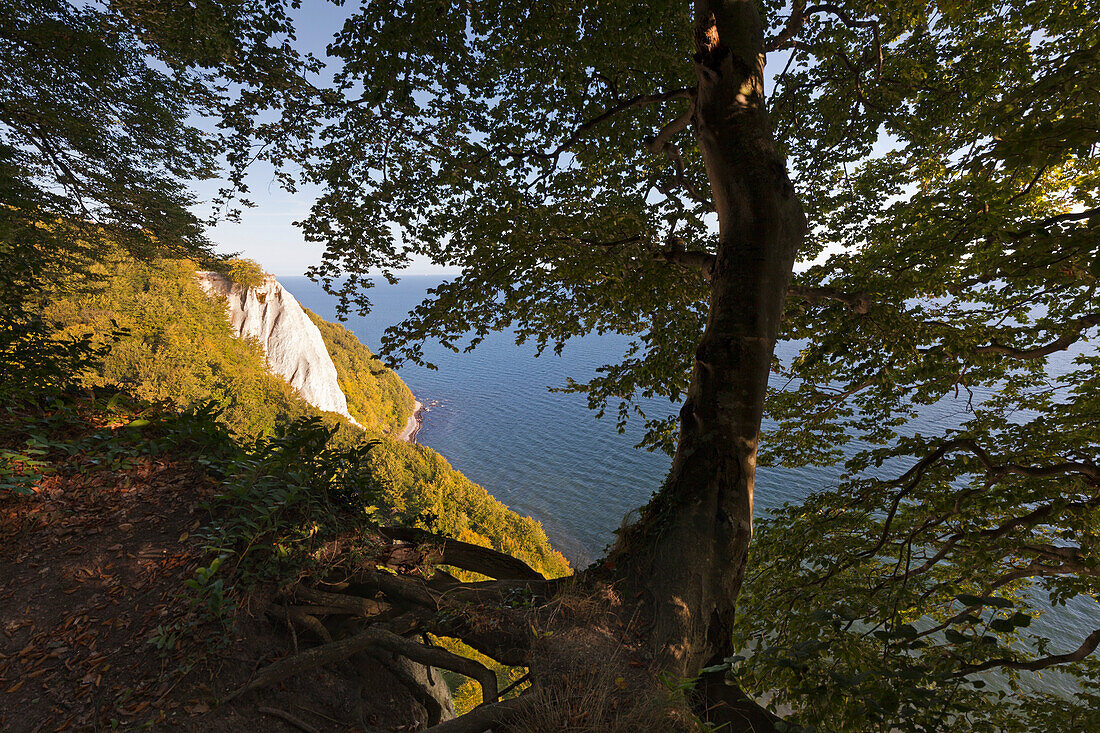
x: 96, y: 634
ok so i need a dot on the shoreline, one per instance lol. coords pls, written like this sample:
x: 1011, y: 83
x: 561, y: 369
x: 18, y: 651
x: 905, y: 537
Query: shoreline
x: 412, y: 427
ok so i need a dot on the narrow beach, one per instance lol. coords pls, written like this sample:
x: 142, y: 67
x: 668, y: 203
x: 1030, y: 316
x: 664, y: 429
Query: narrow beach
x: 412, y: 427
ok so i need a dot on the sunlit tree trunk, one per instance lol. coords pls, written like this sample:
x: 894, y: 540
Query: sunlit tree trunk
x: 691, y: 546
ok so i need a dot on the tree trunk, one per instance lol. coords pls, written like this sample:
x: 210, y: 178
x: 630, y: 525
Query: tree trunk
x: 690, y: 547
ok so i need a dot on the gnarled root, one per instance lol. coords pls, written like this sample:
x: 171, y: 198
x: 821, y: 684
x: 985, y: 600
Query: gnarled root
x: 484, y: 717
x: 376, y: 610
x: 373, y: 637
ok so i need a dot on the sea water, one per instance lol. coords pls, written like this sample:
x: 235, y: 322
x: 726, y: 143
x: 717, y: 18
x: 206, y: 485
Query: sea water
x: 491, y: 413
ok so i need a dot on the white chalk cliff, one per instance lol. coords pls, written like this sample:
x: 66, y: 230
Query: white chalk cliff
x: 291, y: 342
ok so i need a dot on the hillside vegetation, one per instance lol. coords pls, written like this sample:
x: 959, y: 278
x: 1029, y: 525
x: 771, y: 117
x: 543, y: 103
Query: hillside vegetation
x: 376, y: 395
x: 137, y: 376
x: 167, y: 342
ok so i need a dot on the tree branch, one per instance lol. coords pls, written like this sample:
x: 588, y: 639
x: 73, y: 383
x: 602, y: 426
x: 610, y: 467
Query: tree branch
x: 794, y: 25
x: 691, y: 259
x: 859, y: 302
x: 853, y: 24
x: 1061, y: 343
x: 1076, y: 216
x: 467, y: 556
x: 639, y: 100
x: 916, y: 473
x: 1087, y: 647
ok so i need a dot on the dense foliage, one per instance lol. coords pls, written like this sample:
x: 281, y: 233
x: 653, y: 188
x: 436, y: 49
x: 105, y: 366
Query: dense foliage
x: 289, y: 495
x: 243, y: 272
x: 109, y: 112
x: 418, y: 486
x: 111, y: 109
x: 376, y: 396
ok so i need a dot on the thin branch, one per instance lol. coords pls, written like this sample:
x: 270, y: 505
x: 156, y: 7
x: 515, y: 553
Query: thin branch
x: 914, y: 475
x: 691, y: 259
x: 853, y: 24
x: 639, y: 100
x: 1062, y: 343
x: 859, y: 302
x: 1075, y: 216
x: 586, y: 242
x: 794, y: 24
x: 1087, y: 647
x: 662, y: 143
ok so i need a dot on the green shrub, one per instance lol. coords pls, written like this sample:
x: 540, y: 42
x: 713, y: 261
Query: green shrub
x: 246, y: 273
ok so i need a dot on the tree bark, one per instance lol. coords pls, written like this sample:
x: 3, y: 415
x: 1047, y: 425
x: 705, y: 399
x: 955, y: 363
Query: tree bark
x: 690, y: 548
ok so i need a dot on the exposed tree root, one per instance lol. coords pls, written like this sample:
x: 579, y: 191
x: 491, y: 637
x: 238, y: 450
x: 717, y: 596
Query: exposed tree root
x: 287, y: 717
x: 434, y: 656
x: 559, y: 629
x: 415, y: 686
x: 335, y: 651
x: 464, y: 555
x: 373, y: 637
x: 727, y: 707
x: 302, y: 617
x: 484, y: 717
x: 353, y: 604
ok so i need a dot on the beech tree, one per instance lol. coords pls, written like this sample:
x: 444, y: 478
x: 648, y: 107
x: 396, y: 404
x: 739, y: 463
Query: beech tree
x: 656, y: 169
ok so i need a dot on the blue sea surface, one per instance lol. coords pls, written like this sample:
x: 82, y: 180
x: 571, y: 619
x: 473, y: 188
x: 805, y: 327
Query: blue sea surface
x: 491, y: 414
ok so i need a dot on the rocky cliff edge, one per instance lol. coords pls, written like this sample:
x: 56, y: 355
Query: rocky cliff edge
x: 291, y: 342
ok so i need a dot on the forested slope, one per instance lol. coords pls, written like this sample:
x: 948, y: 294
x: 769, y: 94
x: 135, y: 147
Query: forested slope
x: 169, y: 342
x: 161, y: 432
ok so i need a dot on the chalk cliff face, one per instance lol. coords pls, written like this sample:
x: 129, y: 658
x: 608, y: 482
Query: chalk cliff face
x: 291, y: 342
